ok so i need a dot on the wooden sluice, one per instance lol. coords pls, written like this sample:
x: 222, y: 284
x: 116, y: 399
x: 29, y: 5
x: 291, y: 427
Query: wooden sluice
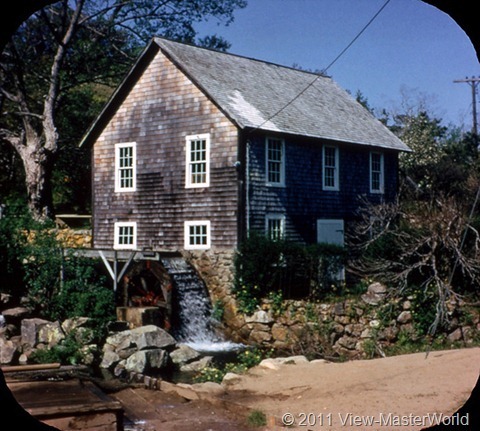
x: 70, y: 404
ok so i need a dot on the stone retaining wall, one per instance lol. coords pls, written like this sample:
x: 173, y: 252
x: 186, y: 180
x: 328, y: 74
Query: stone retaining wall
x: 365, y: 326
x: 353, y: 328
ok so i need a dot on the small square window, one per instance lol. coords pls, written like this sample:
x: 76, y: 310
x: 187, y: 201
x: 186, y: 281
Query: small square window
x: 125, y: 236
x: 197, y: 235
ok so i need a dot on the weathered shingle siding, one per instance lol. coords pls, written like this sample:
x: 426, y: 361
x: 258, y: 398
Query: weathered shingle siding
x: 303, y: 199
x: 163, y: 108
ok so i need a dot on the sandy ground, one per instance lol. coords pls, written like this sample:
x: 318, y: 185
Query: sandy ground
x: 395, y: 393
x: 347, y: 395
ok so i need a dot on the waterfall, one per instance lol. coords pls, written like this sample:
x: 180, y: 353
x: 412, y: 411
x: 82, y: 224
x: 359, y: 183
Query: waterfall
x: 192, y: 321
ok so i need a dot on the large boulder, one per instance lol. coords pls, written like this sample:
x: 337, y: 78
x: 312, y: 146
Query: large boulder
x: 140, y: 350
x: 150, y: 337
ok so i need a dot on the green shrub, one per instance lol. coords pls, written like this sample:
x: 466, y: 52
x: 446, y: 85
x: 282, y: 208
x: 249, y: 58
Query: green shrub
x: 264, y: 267
x: 256, y: 418
x: 67, y: 352
x: 245, y: 360
x: 57, y: 284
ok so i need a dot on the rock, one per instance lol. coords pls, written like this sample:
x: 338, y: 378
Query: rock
x: 196, y: 366
x: 15, y: 314
x: 347, y: 342
x: 208, y: 390
x: 8, y: 350
x: 259, y: 316
x: 231, y: 379
x: 30, y: 329
x: 146, y: 361
x: 456, y: 335
x: 276, y: 363
x: 73, y: 324
x: 110, y: 359
x: 377, y: 289
x: 184, y: 354
x: 339, y: 309
x: 270, y: 364
x: 151, y: 336
x: 119, y: 341
x: 51, y: 334
x: 376, y: 293
x: 404, y: 317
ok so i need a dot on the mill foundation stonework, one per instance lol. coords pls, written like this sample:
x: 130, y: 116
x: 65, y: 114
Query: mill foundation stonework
x: 364, y: 326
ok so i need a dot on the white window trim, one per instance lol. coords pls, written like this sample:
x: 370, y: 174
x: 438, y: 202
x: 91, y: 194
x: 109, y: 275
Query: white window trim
x: 116, y: 244
x: 381, y: 190
x: 280, y: 183
x: 118, y: 188
x: 336, y: 177
x: 187, y: 225
x: 188, y: 177
x: 280, y: 217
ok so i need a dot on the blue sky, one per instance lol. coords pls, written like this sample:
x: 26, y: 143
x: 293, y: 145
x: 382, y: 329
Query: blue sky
x: 412, y: 51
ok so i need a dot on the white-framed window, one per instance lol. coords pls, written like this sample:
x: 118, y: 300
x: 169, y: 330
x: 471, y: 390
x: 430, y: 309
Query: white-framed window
x: 125, y: 167
x: 275, y: 226
x: 197, y: 150
x: 377, y: 181
x: 125, y: 236
x: 330, y: 168
x: 275, y: 161
x: 197, y: 235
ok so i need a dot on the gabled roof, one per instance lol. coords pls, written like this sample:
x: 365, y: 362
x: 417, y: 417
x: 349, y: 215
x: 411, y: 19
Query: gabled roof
x: 260, y: 95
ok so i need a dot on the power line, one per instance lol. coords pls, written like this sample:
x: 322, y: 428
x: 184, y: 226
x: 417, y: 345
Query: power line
x: 323, y: 71
x: 356, y: 37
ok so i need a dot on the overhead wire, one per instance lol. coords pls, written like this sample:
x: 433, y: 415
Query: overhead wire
x: 323, y: 71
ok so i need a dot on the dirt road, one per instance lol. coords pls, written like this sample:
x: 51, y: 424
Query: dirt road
x: 395, y: 393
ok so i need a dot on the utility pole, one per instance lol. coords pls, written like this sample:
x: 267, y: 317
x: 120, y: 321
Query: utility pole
x: 473, y: 82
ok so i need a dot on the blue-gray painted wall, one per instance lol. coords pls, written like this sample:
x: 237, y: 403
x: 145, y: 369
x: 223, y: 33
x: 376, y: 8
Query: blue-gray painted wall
x: 302, y: 200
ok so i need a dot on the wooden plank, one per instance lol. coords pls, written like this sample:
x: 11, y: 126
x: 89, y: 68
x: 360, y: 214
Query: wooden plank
x: 44, y: 399
x: 30, y: 367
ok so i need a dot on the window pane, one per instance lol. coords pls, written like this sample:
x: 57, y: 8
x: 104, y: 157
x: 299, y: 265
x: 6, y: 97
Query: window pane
x: 330, y: 167
x: 198, y: 161
x: 376, y: 172
x: 125, y: 167
x: 274, y: 160
x: 125, y: 235
x: 197, y: 235
x: 275, y: 228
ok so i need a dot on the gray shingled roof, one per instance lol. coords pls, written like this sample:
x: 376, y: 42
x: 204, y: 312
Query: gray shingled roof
x: 252, y: 92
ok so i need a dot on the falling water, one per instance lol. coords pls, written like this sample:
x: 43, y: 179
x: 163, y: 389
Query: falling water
x: 192, y: 310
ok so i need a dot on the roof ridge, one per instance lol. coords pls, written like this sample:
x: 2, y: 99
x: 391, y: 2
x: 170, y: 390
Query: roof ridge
x: 245, y: 57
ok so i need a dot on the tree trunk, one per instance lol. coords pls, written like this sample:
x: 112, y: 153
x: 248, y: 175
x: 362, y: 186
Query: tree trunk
x: 38, y: 170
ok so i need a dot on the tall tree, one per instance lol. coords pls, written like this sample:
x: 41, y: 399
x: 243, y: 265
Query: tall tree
x: 43, y: 63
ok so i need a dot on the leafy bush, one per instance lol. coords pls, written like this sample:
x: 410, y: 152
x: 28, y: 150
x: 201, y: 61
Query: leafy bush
x: 263, y: 266
x: 247, y: 359
x: 68, y: 352
x: 57, y: 284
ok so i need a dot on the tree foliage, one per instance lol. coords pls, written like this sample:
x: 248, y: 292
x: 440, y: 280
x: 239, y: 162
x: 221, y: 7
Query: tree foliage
x: 429, y: 238
x: 62, y: 65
